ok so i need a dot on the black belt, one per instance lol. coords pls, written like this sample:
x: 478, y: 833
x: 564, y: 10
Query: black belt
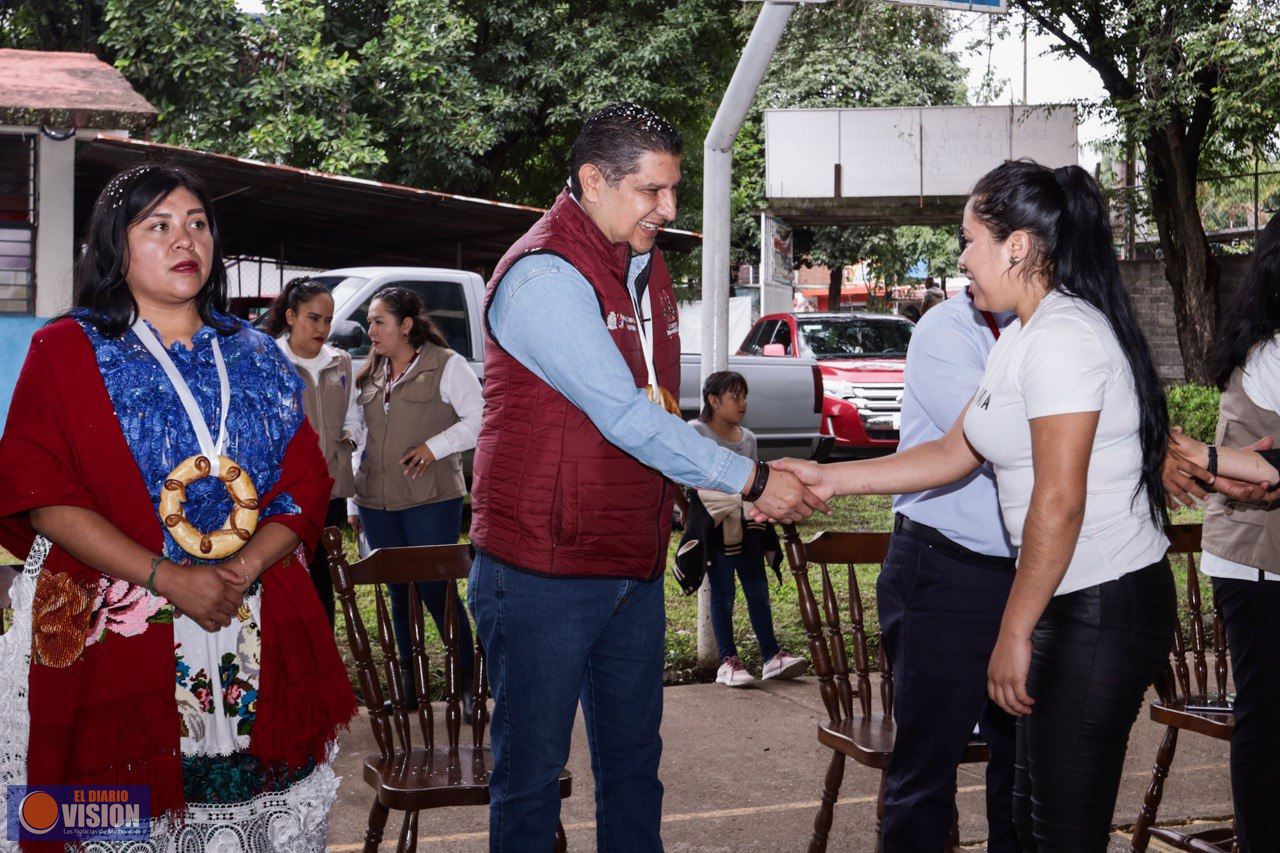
x: 930, y: 536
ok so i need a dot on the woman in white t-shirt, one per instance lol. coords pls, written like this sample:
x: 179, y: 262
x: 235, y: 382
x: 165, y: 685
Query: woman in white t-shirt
x: 1071, y: 416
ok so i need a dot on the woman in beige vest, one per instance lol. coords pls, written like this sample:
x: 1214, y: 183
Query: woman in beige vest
x: 1242, y: 535
x: 416, y: 410
x: 299, y: 319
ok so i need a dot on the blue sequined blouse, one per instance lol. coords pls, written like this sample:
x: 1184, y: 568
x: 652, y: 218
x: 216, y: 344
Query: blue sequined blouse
x: 265, y: 412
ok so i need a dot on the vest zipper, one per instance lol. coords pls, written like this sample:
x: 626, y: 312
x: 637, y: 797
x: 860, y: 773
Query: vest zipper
x: 660, y: 558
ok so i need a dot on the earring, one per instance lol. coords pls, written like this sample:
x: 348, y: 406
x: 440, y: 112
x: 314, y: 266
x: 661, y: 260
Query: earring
x: 1013, y: 262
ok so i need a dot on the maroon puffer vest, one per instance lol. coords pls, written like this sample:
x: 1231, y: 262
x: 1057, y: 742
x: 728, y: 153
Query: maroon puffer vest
x: 549, y: 493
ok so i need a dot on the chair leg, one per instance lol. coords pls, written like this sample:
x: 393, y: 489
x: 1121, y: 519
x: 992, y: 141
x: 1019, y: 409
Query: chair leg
x: 830, y: 790
x: 562, y: 841
x: 408, y: 834
x: 1151, y: 802
x: 377, y: 821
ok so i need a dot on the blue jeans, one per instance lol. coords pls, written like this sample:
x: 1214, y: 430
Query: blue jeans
x: 428, y: 524
x: 755, y: 586
x: 550, y: 643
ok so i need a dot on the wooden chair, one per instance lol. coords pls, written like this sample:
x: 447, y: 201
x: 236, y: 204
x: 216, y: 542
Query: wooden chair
x: 852, y: 731
x: 1176, y: 692
x: 405, y: 777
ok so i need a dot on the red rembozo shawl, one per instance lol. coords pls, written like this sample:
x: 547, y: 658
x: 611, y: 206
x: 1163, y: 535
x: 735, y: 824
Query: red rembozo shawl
x: 106, y: 714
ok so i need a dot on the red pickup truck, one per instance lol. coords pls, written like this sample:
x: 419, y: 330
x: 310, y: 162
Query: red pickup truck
x: 861, y: 356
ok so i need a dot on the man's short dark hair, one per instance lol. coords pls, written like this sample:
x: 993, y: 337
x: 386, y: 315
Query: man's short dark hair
x: 614, y: 139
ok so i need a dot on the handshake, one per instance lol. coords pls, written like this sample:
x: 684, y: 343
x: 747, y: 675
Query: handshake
x: 795, y: 488
x: 1242, y: 473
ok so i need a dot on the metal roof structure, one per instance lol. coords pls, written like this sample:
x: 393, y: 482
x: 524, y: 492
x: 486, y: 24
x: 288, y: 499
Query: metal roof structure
x: 309, y: 218
x: 68, y: 90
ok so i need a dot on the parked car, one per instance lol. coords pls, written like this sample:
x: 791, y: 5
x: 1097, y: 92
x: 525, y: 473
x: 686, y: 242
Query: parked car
x: 861, y: 356
x: 786, y: 397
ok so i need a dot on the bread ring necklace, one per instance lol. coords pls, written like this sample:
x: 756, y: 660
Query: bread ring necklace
x: 242, y: 521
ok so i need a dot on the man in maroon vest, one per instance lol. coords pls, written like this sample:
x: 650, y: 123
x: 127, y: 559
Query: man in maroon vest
x: 571, y: 500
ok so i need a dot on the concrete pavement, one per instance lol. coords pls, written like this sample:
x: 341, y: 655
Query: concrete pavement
x: 743, y: 772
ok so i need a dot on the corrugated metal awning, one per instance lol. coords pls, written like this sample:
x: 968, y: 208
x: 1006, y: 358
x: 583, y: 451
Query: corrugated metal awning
x: 308, y: 218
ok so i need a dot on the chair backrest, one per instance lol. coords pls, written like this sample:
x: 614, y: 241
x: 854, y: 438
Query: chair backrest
x: 1186, y: 664
x: 448, y: 563
x: 823, y: 627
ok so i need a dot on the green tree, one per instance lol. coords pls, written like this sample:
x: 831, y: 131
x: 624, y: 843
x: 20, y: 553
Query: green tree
x: 851, y: 53
x: 1195, y: 86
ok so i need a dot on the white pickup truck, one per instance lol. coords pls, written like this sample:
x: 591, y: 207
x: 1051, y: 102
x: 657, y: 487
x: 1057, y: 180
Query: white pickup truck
x: 786, y: 394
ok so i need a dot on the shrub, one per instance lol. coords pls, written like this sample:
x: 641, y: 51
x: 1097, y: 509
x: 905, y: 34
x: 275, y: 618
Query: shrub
x: 1195, y: 409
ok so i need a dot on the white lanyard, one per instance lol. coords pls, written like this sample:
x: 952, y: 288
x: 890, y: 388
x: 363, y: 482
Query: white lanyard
x: 210, y: 450
x: 646, y: 341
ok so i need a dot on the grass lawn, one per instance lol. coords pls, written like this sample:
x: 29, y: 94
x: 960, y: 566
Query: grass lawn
x: 871, y: 513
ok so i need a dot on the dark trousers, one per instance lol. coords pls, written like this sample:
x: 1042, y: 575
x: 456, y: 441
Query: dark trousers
x: 429, y: 524
x: 1251, y: 612
x: 1094, y: 654
x: 755, y: 588
x: 336, y: 516
x: 552, y: 644
x: 940, y: 614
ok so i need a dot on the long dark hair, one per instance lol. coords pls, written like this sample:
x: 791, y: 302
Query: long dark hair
x: 102, y: 294
x: 298, y: 292
x: 404, y: 303
x: 1254, y: 314
x: 719, y: 383
x: 1063, y: 209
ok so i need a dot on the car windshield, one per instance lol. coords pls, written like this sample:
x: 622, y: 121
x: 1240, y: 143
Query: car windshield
x: 854, y: 337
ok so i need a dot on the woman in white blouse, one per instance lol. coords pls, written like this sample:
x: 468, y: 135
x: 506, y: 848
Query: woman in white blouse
x: 1071, y: 416
x: 416, y: 408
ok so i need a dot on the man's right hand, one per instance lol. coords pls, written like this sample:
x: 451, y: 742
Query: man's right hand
x: 787, y: 498
x: 199, y: 593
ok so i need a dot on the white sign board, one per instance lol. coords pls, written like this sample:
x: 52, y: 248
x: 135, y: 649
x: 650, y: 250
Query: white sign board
x: 907, y: 151
x: 995, y: 6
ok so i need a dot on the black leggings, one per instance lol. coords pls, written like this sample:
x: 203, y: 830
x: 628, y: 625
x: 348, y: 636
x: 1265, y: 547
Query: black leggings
x: 1095, y: 652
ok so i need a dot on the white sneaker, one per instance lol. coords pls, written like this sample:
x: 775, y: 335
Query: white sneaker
x: 733, y: 673
x: 783, y: 665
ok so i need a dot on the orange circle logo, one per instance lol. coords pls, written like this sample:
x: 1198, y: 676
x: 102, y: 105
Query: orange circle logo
x: 38, y: 812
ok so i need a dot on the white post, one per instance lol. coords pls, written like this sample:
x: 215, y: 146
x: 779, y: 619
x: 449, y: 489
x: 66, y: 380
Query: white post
x: 717, y: 175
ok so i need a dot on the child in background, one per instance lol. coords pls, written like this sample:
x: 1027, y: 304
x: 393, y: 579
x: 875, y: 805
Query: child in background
x: 736, y: 546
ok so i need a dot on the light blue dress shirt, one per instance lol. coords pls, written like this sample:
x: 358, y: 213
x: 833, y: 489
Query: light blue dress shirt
x: 545, y: 314
x: 945, y: 362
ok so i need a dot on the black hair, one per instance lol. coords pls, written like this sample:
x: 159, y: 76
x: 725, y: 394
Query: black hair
x: 102, y: 294
x: 298, y: 292
x: 717, y: 385
x: 614, y: 139
x: 404, y: 303
x: 1254, y: 313
x: 1064, y: 211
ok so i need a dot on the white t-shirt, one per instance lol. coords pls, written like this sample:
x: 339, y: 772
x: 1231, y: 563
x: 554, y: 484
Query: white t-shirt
x: 1067, y: 360
x: 1261, y: 383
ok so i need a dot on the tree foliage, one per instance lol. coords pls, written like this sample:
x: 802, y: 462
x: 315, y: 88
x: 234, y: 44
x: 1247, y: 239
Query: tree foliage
x: 461, y: 95
x: 1193, y: 85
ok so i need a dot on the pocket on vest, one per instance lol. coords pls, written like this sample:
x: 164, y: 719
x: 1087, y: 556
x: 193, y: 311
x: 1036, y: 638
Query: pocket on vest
x: 564, y: 508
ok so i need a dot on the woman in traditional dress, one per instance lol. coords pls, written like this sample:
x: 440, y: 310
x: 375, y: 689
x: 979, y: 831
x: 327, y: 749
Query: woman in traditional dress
x: 159, y: 472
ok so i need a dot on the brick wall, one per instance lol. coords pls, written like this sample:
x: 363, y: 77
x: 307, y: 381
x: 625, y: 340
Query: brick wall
x: 1153, y: 303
